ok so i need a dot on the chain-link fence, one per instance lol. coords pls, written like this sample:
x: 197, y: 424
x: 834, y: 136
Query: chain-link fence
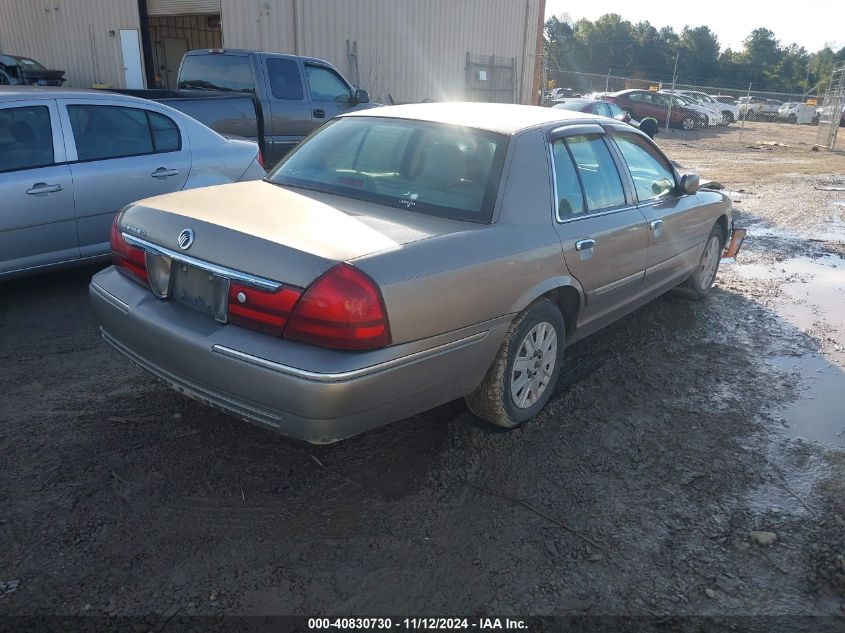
x: 710, y: 115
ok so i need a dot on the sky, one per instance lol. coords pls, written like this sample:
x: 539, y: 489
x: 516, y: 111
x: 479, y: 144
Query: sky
x: 809, y: 23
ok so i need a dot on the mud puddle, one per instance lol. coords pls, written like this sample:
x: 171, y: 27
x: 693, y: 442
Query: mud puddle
x: 819, y: 414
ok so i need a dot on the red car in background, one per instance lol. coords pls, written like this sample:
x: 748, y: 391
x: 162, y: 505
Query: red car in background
x: 645, y: 103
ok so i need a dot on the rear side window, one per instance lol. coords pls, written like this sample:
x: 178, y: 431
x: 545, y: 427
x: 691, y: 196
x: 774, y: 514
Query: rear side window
x: 165, y: 133
x: 103, y: 132
x: 226, y: 73
x: 602, y: 185
x: 570, y: 198
x: 653, y: 177
x: 26, y: 138
x: 285, y: 82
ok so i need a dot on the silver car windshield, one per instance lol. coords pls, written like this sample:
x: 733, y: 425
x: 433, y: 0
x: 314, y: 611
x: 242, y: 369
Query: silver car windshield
x: 425, y: 167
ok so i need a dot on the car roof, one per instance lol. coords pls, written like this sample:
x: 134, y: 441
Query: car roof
x: 15, y: 93
x: 504, y: 118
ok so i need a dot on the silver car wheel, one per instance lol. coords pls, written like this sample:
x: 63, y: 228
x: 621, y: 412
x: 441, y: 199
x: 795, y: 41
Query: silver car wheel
x: 709, y: 263
x: 534, y: 365
x: 688, y: 123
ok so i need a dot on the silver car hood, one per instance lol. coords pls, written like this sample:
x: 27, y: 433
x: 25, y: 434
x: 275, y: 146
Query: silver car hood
x: 287, y: 235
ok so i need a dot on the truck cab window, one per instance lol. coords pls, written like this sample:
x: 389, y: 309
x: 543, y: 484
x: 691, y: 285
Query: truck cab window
x: 285, y: 82
x: 226, y: 73
x: 325, y: 85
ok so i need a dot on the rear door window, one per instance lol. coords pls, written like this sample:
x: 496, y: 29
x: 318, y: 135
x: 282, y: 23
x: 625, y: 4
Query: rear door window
x: 226, y: 73
x: 26, y: 138
x: 104, y: 132
x: 285, y: 81
x: 599, y: 176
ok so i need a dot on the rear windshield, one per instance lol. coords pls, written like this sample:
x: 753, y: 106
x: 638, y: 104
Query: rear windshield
x: 430, y: 168
x: 227, y: 73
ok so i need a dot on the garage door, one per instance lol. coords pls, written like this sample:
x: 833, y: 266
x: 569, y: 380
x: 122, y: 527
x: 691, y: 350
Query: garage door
x: 182, y: 7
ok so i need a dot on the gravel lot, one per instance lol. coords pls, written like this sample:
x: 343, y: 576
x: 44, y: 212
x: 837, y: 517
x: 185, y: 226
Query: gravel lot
x: 674, y: 435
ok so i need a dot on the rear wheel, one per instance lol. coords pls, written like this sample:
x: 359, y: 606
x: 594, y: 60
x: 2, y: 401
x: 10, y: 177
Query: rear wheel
x: 728, y: 117
x: 522, y: 377
x: 699, y: 283
x: 792, y: 119
x: 689, y: 123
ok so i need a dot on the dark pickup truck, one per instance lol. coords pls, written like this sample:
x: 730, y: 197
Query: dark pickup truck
x: 271, y: 98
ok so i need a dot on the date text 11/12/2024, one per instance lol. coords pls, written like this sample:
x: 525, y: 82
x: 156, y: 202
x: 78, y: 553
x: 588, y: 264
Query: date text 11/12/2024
x: 414, y: 624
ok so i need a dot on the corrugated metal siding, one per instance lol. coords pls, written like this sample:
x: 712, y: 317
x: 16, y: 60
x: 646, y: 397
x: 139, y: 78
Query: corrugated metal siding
x: 182, y: 7
x: 410, y: 49
x: 70, y: 35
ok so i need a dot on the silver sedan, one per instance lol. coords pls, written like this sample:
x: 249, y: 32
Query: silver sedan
x: 70, y: 159
x: 403, y: 257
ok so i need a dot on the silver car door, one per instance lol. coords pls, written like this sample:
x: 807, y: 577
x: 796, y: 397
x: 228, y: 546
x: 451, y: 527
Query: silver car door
x: 678, y: 222
x: 37, y: 220
x: 119, y: 153
x: 603, y: 234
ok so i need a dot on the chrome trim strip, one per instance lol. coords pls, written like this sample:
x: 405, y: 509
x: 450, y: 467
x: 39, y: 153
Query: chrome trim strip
x: 235, y: 275
x: 355, y: 373
x: 107, y: 296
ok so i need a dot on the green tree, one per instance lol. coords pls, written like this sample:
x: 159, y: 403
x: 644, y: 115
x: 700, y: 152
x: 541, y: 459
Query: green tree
x: 699, y: 55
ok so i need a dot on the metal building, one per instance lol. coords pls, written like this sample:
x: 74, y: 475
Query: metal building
x: 407, y: 50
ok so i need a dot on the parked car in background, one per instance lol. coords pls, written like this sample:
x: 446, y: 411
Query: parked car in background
x: 710, y: 115
x: 789, y: 112
x: 645, y: 103
x: 758, y: 108
x: 728, y: 110
x: 404, y: 257
x: 598, y: 107
x: 271, y: 98
x: 23, y: 71
x: 70, y: 159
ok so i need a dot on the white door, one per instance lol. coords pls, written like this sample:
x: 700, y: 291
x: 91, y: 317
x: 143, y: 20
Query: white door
x: 174, y: 49
x: 130, y: 47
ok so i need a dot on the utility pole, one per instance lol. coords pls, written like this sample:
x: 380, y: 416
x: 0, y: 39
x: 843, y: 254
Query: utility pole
x: 672, y: 92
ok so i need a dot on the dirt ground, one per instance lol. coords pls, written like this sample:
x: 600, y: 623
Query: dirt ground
x: 674, y: 434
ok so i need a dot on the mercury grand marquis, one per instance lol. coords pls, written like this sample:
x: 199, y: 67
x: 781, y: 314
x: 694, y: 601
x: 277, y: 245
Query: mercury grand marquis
x: 403, y: 257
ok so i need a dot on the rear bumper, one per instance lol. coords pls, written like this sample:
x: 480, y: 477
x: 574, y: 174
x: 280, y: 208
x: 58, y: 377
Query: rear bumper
x: 301, y: 391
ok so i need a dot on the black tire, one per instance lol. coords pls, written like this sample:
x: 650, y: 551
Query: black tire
x: 729, y: 117
x: 698, y: 285
x: 492, y: 400
x: 749, y: 115
x: 792, y: 119
x: 689, y: 123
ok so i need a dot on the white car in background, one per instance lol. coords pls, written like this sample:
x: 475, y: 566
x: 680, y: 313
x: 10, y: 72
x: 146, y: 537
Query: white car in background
x: 710, y: 115
x: 729, y: 111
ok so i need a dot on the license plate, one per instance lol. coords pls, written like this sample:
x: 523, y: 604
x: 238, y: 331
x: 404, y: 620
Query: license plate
x: 200, y: 290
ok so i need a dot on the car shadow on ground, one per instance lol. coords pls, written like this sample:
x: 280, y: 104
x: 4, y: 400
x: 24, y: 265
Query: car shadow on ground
x: 149, y: 499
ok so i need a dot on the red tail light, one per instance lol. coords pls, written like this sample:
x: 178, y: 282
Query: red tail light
x: 260, y: 310
x: 127, y: 258
x: 260, y: 158
x: 343, y: 309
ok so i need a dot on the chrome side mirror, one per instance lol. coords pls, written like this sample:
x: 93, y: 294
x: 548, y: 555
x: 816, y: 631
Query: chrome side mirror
x: 689, y: 183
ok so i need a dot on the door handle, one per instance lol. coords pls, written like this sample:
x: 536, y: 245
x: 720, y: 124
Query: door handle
x: 656, y: 227
x: 585, y: 248
x: 43, y: 189
x: 163, y: 172
x: 319, y: 114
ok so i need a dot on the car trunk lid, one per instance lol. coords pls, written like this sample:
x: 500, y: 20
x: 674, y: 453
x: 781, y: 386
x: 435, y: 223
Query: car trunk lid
x: 275, y: 233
